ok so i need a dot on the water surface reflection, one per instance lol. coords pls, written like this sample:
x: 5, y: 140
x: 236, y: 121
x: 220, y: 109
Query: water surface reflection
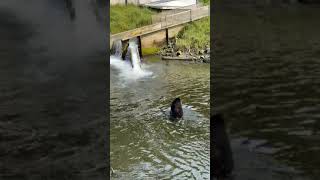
x: 266, y: 82
x: 52, y: 78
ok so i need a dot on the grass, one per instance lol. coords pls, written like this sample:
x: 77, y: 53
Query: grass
x: 123, y: 18
x: 195, y: 35
x: 150, y: 51
x: 205, y: 2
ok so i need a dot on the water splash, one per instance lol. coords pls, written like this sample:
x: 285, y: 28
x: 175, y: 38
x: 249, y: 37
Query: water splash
x: 126, y: 71
x: 131, y: 68
x: 134, y: 55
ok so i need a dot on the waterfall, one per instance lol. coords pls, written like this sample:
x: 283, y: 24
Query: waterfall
x: 133, y: 54
x: 116, y: 49
x: 130, y: 67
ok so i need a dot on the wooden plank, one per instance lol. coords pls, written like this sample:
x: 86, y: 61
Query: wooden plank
x: 170, y: 20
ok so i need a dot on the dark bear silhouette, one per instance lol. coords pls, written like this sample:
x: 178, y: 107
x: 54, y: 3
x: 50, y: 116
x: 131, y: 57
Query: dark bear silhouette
x: 176, y: 111
x: 222, y: 158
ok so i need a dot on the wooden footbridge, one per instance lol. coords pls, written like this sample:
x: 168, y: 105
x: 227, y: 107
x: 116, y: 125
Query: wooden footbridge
x: 164, y: 25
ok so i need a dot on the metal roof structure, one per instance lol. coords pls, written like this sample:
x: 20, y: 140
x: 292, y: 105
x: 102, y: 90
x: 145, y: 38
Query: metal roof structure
x: 170, y: 4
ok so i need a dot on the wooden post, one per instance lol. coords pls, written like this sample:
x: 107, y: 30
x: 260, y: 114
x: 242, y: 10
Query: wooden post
x: 167, y: 36
x: 140, y: 46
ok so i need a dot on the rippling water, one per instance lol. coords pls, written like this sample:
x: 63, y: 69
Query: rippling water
x: 266, y: 82
x: 52, y: 84
x: 143, y: 142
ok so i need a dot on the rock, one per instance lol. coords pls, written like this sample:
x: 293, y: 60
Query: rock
x: 179, y: 53
x: 194, y: 59
x: 201, y: 51
x: 207, y: 50
x: 206, y: 59
x: 200, y: 61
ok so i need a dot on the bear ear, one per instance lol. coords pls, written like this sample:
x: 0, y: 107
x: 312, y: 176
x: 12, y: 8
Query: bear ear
x: 217, y: 119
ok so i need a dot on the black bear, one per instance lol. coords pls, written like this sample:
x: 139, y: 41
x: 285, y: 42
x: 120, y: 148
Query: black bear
x: 176, y: 111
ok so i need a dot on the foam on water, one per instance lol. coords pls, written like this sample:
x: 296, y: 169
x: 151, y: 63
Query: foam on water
x: 130, y: 68
x: 126, y: 71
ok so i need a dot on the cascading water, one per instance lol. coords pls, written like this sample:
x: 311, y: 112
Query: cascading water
x: 134, y: 56
x: 117, y: 48
x: 130, y: 67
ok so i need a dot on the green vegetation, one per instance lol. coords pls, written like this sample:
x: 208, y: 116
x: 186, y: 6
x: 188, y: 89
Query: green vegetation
x: 123, y: 18
x: 205, y: 2
x: 150, y: 51
x: 195, y: 35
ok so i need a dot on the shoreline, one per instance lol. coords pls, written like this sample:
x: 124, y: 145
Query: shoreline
x: 172, y: 52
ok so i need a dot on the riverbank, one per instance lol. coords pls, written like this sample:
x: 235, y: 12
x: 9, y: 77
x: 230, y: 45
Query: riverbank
x: 205, y: 2
x: 193, y: 42
x: 124, y: 18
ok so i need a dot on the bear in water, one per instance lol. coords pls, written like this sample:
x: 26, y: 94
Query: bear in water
x: 176, y: 111
x: 222, y: 159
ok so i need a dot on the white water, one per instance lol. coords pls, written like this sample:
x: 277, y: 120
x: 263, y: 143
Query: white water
x: 127, y: 70
x: 117, y: 47
x: 135, y: 57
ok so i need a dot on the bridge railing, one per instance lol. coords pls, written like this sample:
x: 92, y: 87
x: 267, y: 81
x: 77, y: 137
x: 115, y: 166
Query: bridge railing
x: 184, y: 16
x: 161, y: 16
x: 200, y: 12
x: 165, y: 21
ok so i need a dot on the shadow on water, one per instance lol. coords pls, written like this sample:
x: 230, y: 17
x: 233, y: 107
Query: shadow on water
x: 52, y: 75
x: 266, y: 82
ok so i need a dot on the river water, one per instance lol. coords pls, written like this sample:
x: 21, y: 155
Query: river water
x: 143, y: 142
x: 52, y: 84
x: 266, y: 82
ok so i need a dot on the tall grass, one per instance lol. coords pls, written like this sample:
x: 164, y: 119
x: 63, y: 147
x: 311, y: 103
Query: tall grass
x: 195, y: 35
x: 123, y: 18
x: 205, y: 2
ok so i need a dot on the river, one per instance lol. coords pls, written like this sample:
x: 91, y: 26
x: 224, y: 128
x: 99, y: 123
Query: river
x: 266, y: 83
x: 143, y: 142
x: 52, y: 84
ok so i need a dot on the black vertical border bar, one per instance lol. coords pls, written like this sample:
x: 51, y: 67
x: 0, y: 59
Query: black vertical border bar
x: 107, y: 132
x: 212, y: 58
